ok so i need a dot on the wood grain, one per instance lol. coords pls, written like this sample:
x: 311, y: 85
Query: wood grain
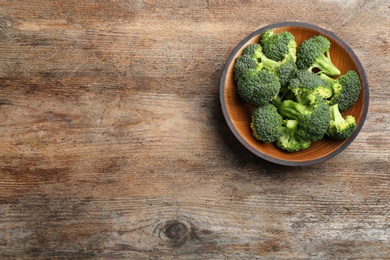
x: 113, y: 143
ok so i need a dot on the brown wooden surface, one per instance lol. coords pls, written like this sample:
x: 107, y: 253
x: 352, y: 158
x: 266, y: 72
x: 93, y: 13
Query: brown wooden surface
x: 113, y: 142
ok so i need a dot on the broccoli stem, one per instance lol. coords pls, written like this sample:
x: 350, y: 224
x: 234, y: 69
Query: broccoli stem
x: 277, y: 101
x: 335, y: 115
x: 336, y: 86
x: 268, y: 63
x: 291, y: 109
x: 327, y: 78
x: 324, y: 64
x: 291, y: 128
x: 292, y: 125
x: 289, y: 141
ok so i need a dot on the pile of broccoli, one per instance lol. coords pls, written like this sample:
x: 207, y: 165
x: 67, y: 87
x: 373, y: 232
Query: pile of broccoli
x: 298, y: 94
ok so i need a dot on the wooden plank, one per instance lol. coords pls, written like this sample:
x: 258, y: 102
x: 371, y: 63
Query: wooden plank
x: 113, y: 143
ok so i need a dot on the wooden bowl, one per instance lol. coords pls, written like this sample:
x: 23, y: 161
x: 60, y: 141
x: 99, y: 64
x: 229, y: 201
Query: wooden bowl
x: 238, y: 113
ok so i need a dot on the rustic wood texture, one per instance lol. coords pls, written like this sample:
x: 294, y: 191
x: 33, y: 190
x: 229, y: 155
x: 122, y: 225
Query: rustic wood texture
x: 113, y: 143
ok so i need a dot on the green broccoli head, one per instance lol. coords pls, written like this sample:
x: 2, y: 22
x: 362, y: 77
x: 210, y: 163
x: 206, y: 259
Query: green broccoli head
x: 306, y: 83
x: 258, y: 87
x: 311, y: 54
x: 290, y: 141
x: 278, y: 46
x: 267, y: 123
x: 254, y: 50
x: 340, y: 128
x: 313, y: 117
x: 243, y: 64
x: 346, y: 90
x: 253, y: 58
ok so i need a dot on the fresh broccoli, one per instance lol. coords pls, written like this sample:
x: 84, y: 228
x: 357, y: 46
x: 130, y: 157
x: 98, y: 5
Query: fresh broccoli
x: 305, y: 83
x: 346, y: 89
x: 254, y: 58
x: 340, y: 128
x: 243, y: 64
x: 278, y: 46
x: 312, y: 114
x: 257, y: 82
x: 258, y: 87
x: 282, y: 48
x: 290, y: 141
x: 267, y: 123
x: 286, y: 70
x: 255, y: 51
x: 296, y: 98
x: 311, y: 54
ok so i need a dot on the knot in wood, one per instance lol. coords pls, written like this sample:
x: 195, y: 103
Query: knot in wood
x: 176, y: 231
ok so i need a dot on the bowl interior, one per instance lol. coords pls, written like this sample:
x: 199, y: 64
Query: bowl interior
x: 238, y: 113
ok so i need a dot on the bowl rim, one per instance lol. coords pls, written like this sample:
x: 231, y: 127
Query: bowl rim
x: 286, y: 162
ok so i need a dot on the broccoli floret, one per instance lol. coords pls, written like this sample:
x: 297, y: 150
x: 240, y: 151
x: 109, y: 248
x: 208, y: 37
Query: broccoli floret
x: 311, y: 54
x: 255, y: 76
x: 267, y: 123
x: 346, y: 90
x: 282, y: 48
x: 252, y: 58
x: 278, y: 46
x: 313, y: 116
x: 286, y: 70
x: 340, y: 128
x: 305, y: 83
x: 243, y: 64
x: 258, y: 87
x: 290, y: 141
x: 255, y: 51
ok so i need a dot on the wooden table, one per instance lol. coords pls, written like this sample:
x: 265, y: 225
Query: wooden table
x: 113, y: 143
